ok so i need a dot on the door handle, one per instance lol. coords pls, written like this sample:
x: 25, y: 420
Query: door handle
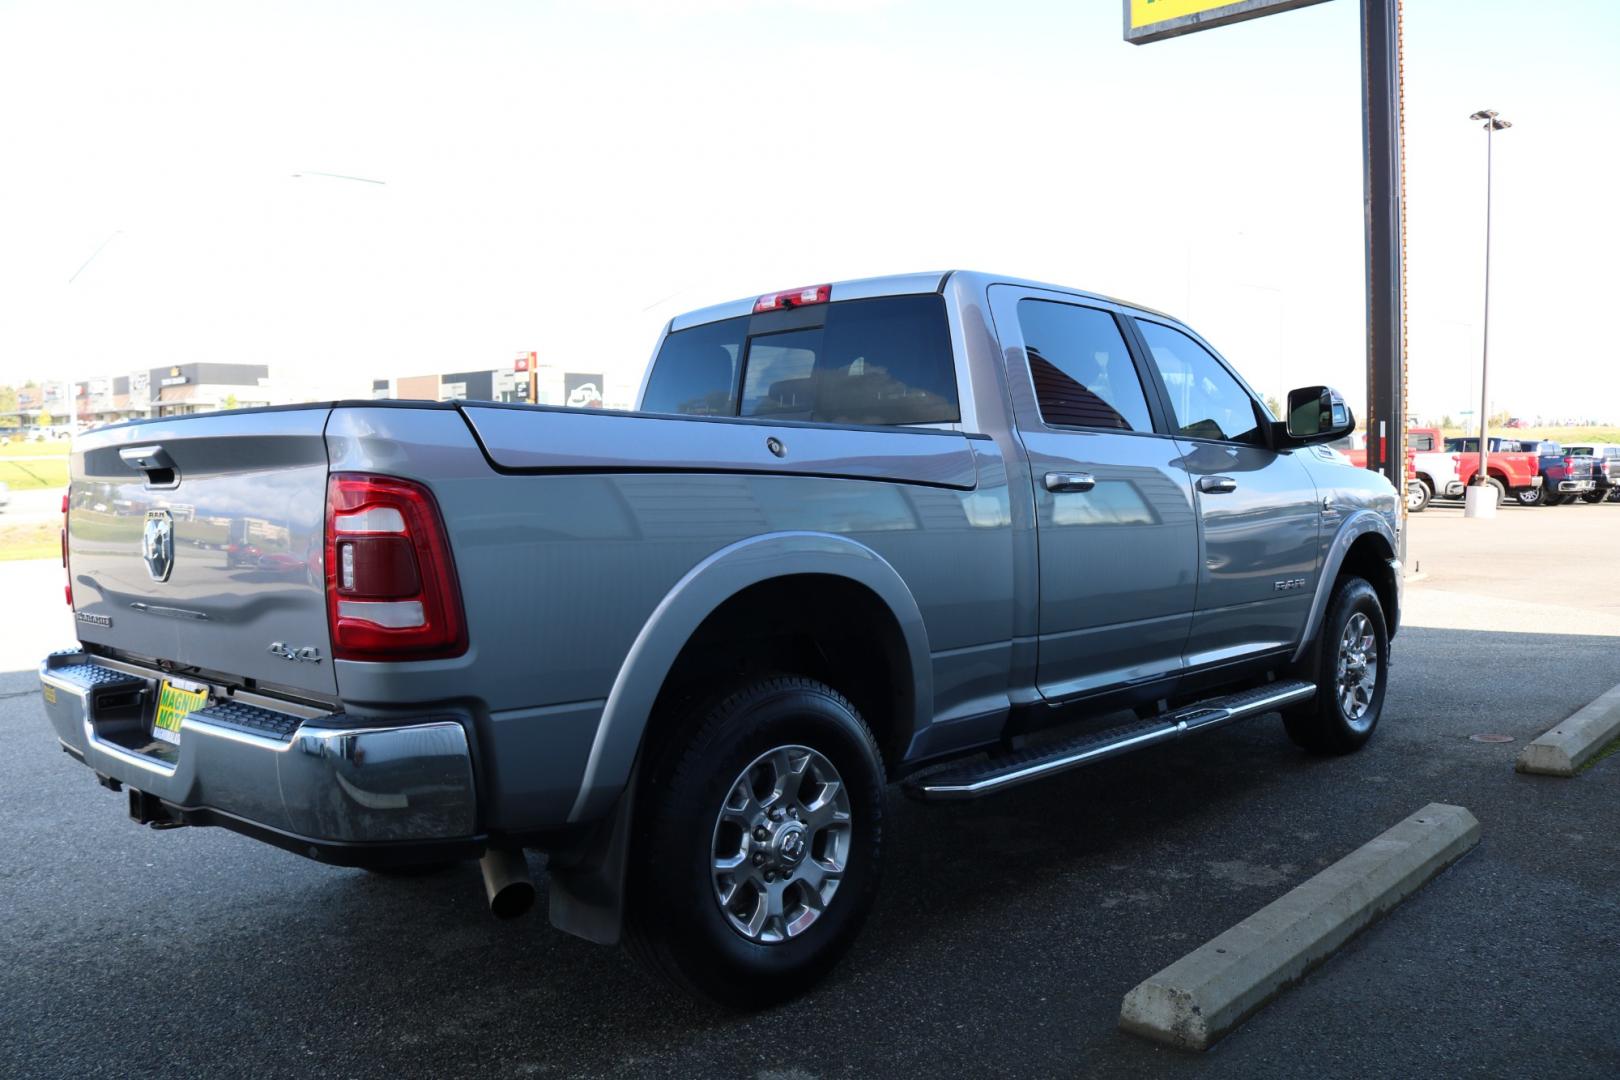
x: 1069, y: 481
x: 1217, y: 485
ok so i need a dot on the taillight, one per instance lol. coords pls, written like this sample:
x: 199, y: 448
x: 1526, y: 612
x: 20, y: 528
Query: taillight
x: 810, y: 294
x: 1569, y: 463
x: 391, y: 591
x: 67, y: 571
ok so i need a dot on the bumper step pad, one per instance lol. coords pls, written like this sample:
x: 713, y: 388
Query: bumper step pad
x: 250, y: 718
x: 985, y: 776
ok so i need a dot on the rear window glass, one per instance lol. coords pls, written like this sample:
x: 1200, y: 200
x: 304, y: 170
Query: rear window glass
x: 696, y: 372
x: 881, y: 361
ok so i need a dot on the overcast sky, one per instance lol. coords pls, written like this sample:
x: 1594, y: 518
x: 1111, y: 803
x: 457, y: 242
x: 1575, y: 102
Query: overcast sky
x: 565, y: 177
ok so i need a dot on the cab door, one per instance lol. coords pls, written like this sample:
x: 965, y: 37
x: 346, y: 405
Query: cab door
x: 1259, y: 518
x: 1116, y: 532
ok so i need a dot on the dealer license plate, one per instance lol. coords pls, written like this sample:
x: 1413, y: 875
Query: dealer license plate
x: 175, y: 700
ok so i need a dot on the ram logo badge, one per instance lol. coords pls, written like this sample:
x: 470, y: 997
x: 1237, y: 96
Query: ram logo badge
x: 157, y: 544
x: 1289, y: 583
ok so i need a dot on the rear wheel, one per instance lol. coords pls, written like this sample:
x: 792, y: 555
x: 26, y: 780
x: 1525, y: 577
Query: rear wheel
x: 1417, y: 496
x: 758, y: 842
x: 1352, y: 671
x: 1552, y: 498
x: 1501, y: 490
x: 1530, y: 496
x: 1594, y: 496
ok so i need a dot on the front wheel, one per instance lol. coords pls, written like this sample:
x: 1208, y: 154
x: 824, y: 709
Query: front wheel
x: 758, y: 843
x: 1352, y: 672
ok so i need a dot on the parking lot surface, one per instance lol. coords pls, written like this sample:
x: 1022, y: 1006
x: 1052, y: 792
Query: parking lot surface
x: 1007, y: 930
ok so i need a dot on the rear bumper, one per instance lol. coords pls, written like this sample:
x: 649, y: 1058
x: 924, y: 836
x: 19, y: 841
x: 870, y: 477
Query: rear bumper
x: 330, y: 786
x: 1575, y: 487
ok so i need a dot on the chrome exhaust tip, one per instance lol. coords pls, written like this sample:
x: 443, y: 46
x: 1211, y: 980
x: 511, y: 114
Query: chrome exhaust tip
x: 506, y: 882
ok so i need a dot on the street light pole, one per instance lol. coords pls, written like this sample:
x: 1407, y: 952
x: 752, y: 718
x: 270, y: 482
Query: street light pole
x: 1492, y: 124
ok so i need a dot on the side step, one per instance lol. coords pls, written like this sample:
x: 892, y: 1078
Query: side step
x: 974, y: 779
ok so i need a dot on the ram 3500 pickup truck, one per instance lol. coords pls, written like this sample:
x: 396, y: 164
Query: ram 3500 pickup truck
x: 857, y: 533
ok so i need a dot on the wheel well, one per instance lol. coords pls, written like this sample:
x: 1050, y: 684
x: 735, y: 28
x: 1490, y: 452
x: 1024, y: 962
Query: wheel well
x: 1368, y: 558
x: 818, y: 625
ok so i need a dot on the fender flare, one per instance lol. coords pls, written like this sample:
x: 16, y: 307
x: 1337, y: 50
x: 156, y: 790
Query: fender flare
x: 693, y: 599
x: 1353, y: 528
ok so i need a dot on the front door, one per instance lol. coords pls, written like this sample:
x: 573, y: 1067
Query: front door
x: 1115, y: 526
x: 1257, y: 507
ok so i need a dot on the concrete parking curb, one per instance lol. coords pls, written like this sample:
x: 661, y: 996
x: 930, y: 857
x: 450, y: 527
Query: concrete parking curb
x: 1562, y: 750
x: 1199, y: 998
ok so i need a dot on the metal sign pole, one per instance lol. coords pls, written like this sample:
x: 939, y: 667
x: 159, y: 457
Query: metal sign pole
x: 1381, y: 139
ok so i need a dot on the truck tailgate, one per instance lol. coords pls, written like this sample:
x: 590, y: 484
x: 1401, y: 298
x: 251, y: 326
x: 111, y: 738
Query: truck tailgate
x: 242, y: 565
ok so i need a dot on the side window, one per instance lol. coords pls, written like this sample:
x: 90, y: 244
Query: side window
x: 1081, y: 369
x: 1420, y: 441
x: 1207, y: 401
x: 696, y: 370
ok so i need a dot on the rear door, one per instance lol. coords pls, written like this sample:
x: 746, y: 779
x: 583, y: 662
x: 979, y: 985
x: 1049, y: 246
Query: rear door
x: 1257, y: 507
x: 1116, y: 530
x: 199, y: 540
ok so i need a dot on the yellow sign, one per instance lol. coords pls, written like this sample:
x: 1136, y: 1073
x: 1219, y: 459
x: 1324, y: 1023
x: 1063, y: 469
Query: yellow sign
x: 1150, y: 20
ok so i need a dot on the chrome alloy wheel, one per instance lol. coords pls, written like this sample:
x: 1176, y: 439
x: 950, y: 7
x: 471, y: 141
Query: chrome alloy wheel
x: 1357, y: 678
x: 781, y: 844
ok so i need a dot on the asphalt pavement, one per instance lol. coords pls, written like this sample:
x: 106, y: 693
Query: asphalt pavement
x: 1006, y: 933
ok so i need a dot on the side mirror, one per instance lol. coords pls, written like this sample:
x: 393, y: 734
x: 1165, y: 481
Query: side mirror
x: 1317, y: 414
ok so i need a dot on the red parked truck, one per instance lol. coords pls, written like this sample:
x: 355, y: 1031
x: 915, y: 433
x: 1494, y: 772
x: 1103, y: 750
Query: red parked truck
x: 1514, y: 473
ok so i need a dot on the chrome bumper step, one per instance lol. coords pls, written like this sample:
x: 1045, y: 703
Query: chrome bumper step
x: 986, y: 776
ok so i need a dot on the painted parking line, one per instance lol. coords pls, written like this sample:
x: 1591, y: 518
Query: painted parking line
x: 1199, y: 998
x: 1563, y: 749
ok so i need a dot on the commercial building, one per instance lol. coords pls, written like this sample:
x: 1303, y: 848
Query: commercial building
x: 204, y: 387
x: 554, y: 386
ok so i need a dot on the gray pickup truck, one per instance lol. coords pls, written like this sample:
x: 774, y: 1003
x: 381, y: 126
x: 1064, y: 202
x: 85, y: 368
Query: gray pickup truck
x: 869, y: 532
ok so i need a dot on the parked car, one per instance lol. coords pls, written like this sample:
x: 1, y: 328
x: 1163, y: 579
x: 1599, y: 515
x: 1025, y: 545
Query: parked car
x: 1605, y: 470
x: 1564, y: 475
x: 1510, y: 470
x: 870, y: 531
x: 1435, y: 468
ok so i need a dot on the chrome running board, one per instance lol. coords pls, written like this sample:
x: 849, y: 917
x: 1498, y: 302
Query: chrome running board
x: 986, y: 776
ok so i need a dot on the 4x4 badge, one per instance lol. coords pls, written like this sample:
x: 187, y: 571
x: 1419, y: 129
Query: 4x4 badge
x: 157, y: 544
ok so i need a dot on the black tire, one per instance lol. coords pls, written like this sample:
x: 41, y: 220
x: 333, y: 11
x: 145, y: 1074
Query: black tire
x: 1501, y: 490
x: 675, y: 924
x: 1417, y: 496
x: 1593, y: 496
x: 1530, y: 496
x: 1551, y: 498
x: 1322, y: 724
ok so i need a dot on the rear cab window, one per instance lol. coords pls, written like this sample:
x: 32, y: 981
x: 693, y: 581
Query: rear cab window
x: 880, y: 361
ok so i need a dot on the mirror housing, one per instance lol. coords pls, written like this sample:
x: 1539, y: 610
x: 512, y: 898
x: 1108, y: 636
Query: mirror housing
x: 1317, y: 414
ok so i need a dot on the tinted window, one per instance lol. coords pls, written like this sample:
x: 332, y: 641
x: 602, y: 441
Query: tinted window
x: 881, y: 361
x: 781, y: 375
x: 696, y: 370
x: 1208, y: 402
x: 1082, y: 372
x: 1419, y: 441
